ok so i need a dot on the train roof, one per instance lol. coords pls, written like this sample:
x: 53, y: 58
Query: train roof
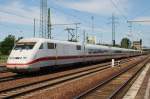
x: 47, y: 40
x: 73, y: 43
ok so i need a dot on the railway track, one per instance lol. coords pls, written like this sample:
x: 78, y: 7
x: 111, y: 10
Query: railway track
x: 73, y: 88
x: 3, y: 69
x: 11, y: 78
x: 8, y: 76
x: 27, y: 88
x: 116, y: 86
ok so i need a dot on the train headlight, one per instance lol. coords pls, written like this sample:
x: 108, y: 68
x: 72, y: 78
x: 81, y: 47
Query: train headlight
x: 17, y: 57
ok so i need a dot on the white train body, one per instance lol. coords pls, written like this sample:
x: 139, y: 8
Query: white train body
x: 36, y: 53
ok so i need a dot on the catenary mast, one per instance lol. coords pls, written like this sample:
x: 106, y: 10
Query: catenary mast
x: 43, y: 18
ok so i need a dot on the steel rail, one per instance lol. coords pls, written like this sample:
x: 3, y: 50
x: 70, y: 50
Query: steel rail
x: 16, y: 90
x: 107, y: 80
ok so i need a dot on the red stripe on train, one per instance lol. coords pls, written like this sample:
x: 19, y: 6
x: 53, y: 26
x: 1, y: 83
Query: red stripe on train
x: 56, y: 58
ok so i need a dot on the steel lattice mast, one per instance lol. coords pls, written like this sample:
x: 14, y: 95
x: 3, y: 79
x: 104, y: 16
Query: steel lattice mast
x: 43, y: 18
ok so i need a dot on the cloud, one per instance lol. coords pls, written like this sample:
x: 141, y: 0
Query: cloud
x: 101, y: 7
x: 17, y: 13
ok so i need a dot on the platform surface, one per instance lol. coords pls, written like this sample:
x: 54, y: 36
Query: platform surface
x: 141, y: 87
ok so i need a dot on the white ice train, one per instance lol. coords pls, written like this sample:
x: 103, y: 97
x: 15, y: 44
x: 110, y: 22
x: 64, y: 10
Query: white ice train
x: 35, y: 53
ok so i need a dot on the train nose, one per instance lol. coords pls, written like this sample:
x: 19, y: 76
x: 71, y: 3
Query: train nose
x: 17, y: 62
x: 17, y: 66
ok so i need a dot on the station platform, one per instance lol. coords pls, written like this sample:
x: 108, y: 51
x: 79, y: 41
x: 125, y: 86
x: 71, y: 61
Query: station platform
x: 141, y: 87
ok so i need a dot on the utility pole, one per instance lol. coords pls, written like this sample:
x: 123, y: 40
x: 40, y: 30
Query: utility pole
x: 84, y: 37
x: 92, y: 18
x: 34, y: 28
x: 113, y: 18
x: 84, y: 41
x: 130, y: 35
x: 130, y: 27
x: 77, y: 30
x: 135, y: 21
x: 49, y: 24
x: 43, y: 18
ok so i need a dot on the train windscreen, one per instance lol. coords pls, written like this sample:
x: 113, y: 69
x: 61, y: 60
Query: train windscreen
x: 24, y: 46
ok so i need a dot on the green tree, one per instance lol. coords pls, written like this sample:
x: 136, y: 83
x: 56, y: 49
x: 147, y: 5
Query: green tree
x: 0, y: 48
x: 7, y: 44
x: 125, y: 43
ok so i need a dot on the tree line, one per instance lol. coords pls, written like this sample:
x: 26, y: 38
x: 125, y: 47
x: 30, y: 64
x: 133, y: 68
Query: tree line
x: 7, y: 44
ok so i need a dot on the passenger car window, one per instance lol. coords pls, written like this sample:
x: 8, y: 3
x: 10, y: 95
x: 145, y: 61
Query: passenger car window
x: 41, y: 47
x: 24, y: 46
x: 78, y: 47
x: 51, y: 45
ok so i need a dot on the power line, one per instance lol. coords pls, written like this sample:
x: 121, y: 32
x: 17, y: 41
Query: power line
x: 118, y: 1
x: 15, y: 14
x: 138, y: 21
x: 74, y: 16
x: 62, y: 11
x: 144, y: 11
x: 135, y: 21
x: 118, y: 9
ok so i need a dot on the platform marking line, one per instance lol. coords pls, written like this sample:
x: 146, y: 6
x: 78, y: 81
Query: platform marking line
x: 131, y: 94
x: 147, y: 96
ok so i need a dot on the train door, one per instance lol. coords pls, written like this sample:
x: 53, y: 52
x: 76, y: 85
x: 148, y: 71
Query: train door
x: 47, y: 52
x: 52, y: 53
x: 42, y: 54
x: 59, y: 54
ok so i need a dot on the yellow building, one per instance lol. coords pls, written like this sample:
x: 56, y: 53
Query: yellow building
x: 137, y: 45
x: 91, y: 39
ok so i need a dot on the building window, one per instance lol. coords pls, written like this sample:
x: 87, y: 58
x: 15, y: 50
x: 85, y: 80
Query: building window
x: 51, y: 45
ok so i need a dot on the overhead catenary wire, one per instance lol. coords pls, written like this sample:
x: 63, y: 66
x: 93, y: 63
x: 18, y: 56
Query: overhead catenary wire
x: 60, y: 10
x: 15, y: 14
x: 122, y: 14
x: 69, y: 14
x: 121, y: 6
x: 75, y: 16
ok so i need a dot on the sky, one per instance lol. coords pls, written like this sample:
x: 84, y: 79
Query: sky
x: 16, y: 18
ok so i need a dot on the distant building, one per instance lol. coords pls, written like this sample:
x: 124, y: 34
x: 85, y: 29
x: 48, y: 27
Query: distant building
x: 137, y: 45
x: 91, y: 39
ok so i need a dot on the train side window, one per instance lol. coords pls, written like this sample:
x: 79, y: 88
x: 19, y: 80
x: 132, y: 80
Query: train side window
x: 51, y: 45
x: 78, y: 47
x: 41, y: 47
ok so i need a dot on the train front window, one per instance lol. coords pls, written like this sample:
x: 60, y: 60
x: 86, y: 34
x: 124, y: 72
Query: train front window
x: 24, y: 46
